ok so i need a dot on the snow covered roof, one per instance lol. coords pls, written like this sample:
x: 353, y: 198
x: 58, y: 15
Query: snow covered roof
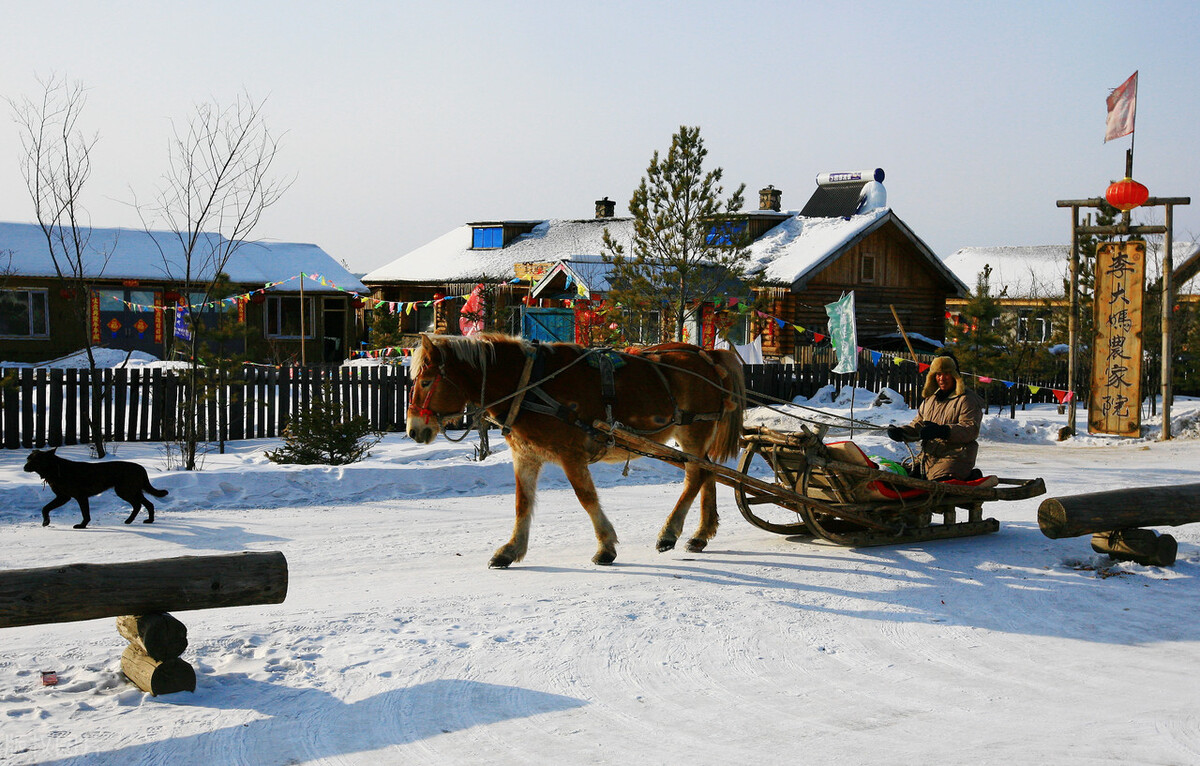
x: 450, y: 257
x: 1035, y: 271
x: 1039, y: 271
x: 157, y: 255
x: 800, y: 247
x: 789, y: 252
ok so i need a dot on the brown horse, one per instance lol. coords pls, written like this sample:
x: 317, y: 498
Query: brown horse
x: 547, y: 396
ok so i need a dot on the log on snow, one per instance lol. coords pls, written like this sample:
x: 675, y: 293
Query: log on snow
x: 1076, y: 515
x: 158, y: 634
x: 150, y: 675
x: 1144, y: 546
x: 90, y: 591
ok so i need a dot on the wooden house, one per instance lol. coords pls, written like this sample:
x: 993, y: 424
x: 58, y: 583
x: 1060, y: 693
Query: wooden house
x: 844, y: 239
x: 1030, y: 281
x: 133, y: 285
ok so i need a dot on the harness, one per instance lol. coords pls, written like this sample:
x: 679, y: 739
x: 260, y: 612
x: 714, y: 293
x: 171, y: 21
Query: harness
x: 534, y: 398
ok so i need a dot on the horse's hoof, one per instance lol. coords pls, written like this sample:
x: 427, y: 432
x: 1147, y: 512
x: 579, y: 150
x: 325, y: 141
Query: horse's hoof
x: 81, y: 526
x: 147, y: 521
x: 604, y: 558
x: 128, y: 521
x: 46, y: 523
x: 665, y: 545
x: 695, y: 545
x: 500, y: 562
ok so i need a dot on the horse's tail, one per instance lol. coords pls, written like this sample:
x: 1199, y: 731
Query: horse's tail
x: 727, y: 438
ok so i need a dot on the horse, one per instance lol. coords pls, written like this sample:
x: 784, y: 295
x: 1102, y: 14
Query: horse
x: 546, y: 397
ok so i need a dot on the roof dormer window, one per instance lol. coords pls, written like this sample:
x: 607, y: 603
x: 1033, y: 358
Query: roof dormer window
x: 487, y: 237
x: 725, y: 233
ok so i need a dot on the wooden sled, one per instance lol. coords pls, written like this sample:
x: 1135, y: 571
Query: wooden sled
x: 836, y: 493
x: 849, y: 500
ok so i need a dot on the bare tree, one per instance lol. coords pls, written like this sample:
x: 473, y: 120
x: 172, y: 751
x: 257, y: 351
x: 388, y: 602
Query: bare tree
x: 56, y: 165
x: 218, y: 184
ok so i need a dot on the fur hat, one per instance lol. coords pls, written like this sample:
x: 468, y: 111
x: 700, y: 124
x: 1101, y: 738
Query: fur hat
x: 942, y: 364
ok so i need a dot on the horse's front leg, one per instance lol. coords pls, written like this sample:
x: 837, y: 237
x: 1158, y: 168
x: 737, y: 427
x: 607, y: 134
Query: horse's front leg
x: 673, y: 528
x: 708, y: 515
x: 585, y: 490
x: 526, y: 469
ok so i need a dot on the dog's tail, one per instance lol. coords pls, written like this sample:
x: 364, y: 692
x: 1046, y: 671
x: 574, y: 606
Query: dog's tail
x: 155, y: 492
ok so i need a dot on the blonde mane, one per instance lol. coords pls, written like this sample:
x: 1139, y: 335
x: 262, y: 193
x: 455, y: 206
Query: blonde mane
x: 475, y: 350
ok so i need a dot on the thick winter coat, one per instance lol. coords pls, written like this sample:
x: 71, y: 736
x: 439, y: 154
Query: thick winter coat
x: 952, y: 458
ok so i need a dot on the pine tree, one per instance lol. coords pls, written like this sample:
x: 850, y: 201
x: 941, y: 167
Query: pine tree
x: 323, y: 435
x: 688, y: 245
x: 977, y: 338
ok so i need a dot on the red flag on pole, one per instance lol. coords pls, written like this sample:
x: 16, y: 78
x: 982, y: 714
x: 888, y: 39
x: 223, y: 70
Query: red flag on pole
x: 1122, y: 106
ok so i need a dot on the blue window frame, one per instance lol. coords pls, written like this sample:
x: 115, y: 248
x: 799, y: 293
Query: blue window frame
x: 722, y: 234
x: 487, y: 237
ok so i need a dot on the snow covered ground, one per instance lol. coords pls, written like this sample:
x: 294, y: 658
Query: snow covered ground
x: 396, y: 644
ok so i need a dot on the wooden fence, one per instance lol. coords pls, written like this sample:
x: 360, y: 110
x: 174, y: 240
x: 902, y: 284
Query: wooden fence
x: 51, y: 407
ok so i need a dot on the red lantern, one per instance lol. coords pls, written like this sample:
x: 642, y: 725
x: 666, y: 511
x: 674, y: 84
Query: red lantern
x: 356, y: 302
x: 1126, y: 194
x: 438, y: 296
x: 258, y: 298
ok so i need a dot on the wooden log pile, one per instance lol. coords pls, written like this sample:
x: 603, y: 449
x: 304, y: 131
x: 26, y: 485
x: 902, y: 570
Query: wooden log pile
x: 1117, y: 520
x: 152, y: 658
x: 140, y: 595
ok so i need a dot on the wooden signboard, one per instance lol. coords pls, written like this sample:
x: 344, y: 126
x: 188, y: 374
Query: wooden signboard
x: 1113, y: 407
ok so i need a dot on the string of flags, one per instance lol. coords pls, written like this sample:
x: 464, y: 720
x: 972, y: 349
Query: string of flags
x: 407, y: 307
x: 1062, y: 396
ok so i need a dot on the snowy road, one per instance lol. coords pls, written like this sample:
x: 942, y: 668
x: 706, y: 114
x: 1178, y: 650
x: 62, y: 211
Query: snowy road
x: 397, y: 644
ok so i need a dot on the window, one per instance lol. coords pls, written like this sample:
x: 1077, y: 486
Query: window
x: 866, y: 268
x: 425, y: 317
x: 643, y: 328
x: 739, y: 330
x: 283, y: 317
x: 24, y: 314
x: 487, y: 237
x: 723, y: 233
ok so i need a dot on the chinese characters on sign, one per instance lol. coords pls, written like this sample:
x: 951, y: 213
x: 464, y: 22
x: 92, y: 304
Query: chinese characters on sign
x: 1117, y: 356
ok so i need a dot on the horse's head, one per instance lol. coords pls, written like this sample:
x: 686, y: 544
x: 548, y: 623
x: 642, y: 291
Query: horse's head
x: 440, y: 385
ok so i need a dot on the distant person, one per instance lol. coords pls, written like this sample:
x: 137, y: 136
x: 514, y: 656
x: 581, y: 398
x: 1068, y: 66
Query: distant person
x: 947, y: 425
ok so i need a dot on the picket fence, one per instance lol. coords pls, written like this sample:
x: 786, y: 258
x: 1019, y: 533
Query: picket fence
x: 54, y: 407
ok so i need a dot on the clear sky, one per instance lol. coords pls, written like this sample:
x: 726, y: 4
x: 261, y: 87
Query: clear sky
x: 403, y: 120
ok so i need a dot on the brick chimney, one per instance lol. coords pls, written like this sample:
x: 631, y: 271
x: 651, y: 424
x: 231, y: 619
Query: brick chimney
x: 770, y: 198
x: 605, y: 208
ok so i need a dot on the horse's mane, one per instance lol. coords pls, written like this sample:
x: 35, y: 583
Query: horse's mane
x: 474, y: 350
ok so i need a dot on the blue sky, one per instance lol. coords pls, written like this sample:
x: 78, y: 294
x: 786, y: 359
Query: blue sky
x: 404, y: 120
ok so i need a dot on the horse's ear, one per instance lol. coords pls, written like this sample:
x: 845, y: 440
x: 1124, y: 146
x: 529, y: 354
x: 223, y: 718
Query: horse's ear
x: 426, y: 343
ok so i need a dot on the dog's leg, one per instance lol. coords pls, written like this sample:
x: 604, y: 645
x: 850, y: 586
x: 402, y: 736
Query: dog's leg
x: 58, y: 501
x: 83, y: 509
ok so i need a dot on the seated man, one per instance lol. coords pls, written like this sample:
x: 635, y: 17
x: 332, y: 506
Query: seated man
x: 947, y: 425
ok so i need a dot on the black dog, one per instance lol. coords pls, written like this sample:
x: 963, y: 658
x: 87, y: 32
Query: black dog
x: 69, y: 479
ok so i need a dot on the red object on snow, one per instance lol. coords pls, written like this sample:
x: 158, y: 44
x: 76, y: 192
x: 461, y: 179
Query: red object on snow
x: 49, y: 678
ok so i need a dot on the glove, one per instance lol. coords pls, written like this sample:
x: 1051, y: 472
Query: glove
x: 895, y: 433
x: 934, y: 431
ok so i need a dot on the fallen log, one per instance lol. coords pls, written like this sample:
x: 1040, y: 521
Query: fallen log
x: 90, y: 591
x: 1075, y: 515
x: 1143, y: 546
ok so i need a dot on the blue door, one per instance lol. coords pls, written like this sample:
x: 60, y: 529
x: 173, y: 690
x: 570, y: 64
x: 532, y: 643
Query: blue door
x: 548, y: 324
